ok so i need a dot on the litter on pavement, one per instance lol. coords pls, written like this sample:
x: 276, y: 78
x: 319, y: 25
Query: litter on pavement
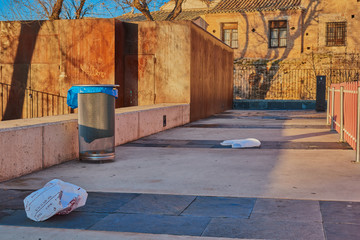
x: 56, y: 197
x: 242, y: 143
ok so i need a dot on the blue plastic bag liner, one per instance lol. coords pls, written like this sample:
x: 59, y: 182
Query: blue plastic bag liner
x: 72, y: 95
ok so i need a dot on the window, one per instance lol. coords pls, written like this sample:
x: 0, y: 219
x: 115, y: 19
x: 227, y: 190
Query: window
x: 278, y: 33
x: 335, y: 34
x: 230, y: 34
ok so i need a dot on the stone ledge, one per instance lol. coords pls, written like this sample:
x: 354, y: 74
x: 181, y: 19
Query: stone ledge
x: 29, y: 145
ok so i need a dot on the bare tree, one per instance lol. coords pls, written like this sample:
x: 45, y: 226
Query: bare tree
x: 143, y: 7
x: 32, y: 9
x: 56, y: 10
x: 51, y: 9
x: 176, y: 11
x: 78, y: 9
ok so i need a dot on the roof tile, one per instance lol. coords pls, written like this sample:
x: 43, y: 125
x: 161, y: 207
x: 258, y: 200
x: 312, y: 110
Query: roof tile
x: 161, y: 16
x: 255, y: 5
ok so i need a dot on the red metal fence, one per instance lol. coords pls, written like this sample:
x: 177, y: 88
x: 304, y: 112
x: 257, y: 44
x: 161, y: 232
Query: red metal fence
x: 343, y: 112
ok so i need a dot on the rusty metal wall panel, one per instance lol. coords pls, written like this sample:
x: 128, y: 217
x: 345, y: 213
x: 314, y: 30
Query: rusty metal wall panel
x: 88, y: 48
x: 211, y: 75
x: 172, y: 71
x: 191, y: 66
x: 139, y: 80
x: 18, y: 41
x: 41, y: 60
x: 119, y: 62
x: 169, y: 43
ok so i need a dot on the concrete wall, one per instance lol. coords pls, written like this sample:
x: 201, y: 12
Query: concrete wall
x: 33, y: 144
x: 175, y: 62
x: 51, y: 56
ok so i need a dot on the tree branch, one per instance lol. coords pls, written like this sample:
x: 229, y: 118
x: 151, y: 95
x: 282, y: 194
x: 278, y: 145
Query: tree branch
x: 176, y: 11
x: 142, y: 6
x: 56, y: 10
x: 80, y: 9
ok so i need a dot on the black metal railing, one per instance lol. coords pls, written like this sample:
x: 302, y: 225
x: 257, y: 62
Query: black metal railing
x: 35, y: 103
x: 282, y: 83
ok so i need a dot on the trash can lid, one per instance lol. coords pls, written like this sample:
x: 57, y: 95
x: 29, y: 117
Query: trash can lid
x: 72, y: 95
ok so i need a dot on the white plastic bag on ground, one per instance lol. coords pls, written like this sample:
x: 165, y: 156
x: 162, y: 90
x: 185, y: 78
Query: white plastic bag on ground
x: 56, y: 197
x: 242, y: 143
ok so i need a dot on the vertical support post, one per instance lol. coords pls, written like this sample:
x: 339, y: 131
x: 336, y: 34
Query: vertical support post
x: 328, y: 108
x: 358, y: 127
x: 332, y: 108
x: 342, y: 114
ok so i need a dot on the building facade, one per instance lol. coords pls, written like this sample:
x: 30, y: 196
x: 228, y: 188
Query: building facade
x: 268, y: 29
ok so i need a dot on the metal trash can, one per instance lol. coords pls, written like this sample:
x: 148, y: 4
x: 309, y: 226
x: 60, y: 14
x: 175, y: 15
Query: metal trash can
x: 96, y: 121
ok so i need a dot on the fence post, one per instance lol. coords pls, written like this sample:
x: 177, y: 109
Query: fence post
x: 358, y: 127
x: 342, y: 114
x: 332, y: 108
x: 327, y: 108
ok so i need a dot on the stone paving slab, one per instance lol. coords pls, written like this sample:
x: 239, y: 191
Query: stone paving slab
x: 335, y: 231
x: 155, y: 224
x: 7, y: 195
x: 75, y: 220
x: 106, y: 202
x: 12, y: 199
x: 16, y: 232
x: 220, y: 207
x: 340, y: 212
x: 259, y: 228
x: 287, y: 210
x: 220, y: 217
x: 157, y: 204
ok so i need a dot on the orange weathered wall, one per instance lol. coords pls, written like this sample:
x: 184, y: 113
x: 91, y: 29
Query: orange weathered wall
x: 332, y: 11
x: 51, y: 56
x: 177, y: 62
x: 156, y: 63
x: 211, y: 75
x: 153, y: 62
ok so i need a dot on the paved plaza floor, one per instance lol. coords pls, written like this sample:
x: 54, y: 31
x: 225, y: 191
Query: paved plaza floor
x: 182, y: 184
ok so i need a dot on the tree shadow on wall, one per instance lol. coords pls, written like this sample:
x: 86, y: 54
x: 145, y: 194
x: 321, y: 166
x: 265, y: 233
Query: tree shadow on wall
x: 27, y: 38
x: 73, y: 60
x: 262, y: 79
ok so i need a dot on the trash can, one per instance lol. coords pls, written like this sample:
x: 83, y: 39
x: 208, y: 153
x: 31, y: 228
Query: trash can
x: 96, y: 120
x: 320, y: 93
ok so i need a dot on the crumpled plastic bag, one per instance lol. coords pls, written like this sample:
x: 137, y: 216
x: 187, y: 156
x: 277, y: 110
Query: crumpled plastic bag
x: 242, y: 143
x: 56, y: 197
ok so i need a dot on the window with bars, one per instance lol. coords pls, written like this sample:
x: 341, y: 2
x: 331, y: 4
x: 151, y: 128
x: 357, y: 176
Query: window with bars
x: 230, y: 34
x: 335, y: 34
x: 278, y: 34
